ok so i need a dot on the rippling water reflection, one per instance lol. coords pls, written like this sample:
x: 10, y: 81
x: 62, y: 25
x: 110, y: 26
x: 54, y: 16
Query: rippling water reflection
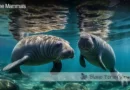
x: 36, y: 19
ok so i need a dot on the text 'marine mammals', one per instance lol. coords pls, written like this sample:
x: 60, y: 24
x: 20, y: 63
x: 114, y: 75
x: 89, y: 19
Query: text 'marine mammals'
x: 11, y: 6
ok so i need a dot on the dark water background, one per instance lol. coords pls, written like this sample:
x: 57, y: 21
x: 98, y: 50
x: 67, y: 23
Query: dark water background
x: 118, y: 38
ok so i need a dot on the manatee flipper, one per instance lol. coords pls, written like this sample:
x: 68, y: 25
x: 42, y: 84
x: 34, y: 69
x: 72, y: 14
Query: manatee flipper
x: 119, y: 77
x: 14, y: 67
x: 82, y: 61
x: 101, y: 62
x: 56, y: 67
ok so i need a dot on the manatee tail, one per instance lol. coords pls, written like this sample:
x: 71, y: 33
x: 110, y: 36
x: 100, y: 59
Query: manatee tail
x: 119, y: 77
x: 14, y: 67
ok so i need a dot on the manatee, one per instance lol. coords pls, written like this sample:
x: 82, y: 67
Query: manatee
x: 99, y: 53
x: 39, y: 49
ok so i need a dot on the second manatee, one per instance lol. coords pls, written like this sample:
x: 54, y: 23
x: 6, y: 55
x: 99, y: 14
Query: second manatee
x: 99, y: 53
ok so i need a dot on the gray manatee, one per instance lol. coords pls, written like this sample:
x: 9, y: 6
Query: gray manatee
x: 99, y: 53
x: 40, y: 49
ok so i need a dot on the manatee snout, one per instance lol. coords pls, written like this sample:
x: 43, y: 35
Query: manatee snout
x: 85, y: 43
x: 71, y: 53
x: 68, y: 53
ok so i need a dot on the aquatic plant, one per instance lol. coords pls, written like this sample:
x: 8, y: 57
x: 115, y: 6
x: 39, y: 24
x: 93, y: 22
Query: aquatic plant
x: 36, y: 88
x: 72, y: 86
x: 49, y: 84
x: 107, y: 85
x: 6, y: 84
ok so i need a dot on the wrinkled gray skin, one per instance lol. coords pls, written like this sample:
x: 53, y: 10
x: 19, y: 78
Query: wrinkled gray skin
x: 40, y: 49
x: 99, y: 53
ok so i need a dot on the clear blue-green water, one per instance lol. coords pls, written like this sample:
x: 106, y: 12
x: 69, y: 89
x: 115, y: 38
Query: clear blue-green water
x: 118, y: 38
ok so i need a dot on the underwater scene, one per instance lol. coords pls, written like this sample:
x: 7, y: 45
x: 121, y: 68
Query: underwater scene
x: 69, y: 37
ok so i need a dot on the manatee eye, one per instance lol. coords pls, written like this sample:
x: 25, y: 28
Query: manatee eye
x: 58, y: 44
x: 86, y: 38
